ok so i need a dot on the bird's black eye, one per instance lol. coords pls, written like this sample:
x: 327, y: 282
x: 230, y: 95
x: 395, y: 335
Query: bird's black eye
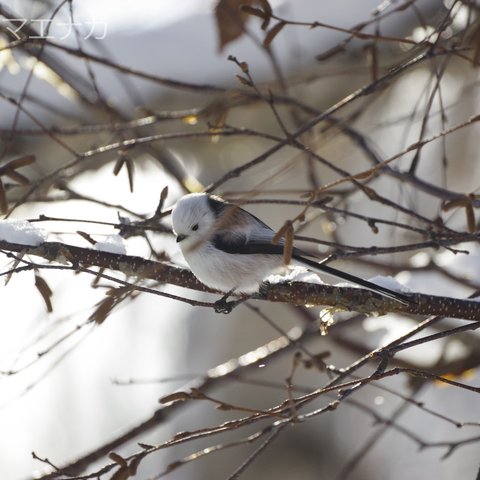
x: 195, y: 227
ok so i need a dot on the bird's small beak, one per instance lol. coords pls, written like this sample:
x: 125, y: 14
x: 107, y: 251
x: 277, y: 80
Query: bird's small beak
x: 181, y: 237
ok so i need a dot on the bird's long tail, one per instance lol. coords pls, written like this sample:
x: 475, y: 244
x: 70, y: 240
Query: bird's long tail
x: 353, y: 279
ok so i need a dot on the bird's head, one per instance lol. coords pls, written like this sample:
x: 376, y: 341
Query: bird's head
x: 193, y: 219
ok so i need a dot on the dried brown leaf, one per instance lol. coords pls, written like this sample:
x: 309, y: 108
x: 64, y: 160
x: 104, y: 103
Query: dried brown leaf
x: 475, y: 41
x: 265, y: 23
x: 118, y: 291
x: 272, y: 33
x: 266, y: 7
x: 103, y: 310
x: 470, y: 218
x: 268, y: 13
x: 122, y: 158
x: 86, y: 237
x: 288, y: 248
x: 244, y: 81
x: 218, y: 121
x: 230, y: 20
x: 131, y: 172
x: 175, y: 397
x: 363, y: 175
x: 123, y: 473
x: 145, y: 446
x: 253, y: 11
x: 17, y: 177
x: 3, y: 198
x: 20, y: 162
x: 45, y: 291
x: 117, y: 459
x: 134, y: 463
x: 216, y: 113
x: 281, y: 232
x: 459, y: 202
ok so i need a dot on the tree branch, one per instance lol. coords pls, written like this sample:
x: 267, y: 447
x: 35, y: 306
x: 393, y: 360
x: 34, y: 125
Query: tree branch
x: 297, y: 293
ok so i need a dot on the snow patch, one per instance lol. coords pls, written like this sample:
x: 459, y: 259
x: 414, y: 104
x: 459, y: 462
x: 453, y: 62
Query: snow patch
x: 296, y: 274
x: 22, y: 233
x: 112, y: 244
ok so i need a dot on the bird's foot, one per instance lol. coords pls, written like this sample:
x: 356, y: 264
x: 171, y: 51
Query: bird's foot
x: 222, y: 306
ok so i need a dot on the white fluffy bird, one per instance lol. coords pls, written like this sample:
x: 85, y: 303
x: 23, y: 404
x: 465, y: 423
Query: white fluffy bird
x: 229, y: 249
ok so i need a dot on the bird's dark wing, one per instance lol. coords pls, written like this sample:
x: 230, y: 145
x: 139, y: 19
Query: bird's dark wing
x: 238, y: 243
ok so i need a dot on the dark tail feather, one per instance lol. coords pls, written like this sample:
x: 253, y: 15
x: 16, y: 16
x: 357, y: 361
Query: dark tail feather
x: 357, y: 280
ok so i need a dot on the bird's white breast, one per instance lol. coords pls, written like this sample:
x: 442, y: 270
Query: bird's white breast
x: 225, y: 271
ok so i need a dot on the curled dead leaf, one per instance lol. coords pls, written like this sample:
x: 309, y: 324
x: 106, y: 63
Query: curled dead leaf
x: 117, y: 459
x: 288, y: 248
x: 45, y: 291
x: 253, y: 11
x: 122, y: 158
x: 230, y: 20
x: 3, y: 198
x: 131, y: 172
x: 363, y: 175
x: 175, y: 397
x: 244, y: 81
x: 103, y: 310
x: 470, y: 218
x: 459, y: 202
x: 272, y: 33
x: 20, y: 162
x: 17, y: 177
x: 86, y: 237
